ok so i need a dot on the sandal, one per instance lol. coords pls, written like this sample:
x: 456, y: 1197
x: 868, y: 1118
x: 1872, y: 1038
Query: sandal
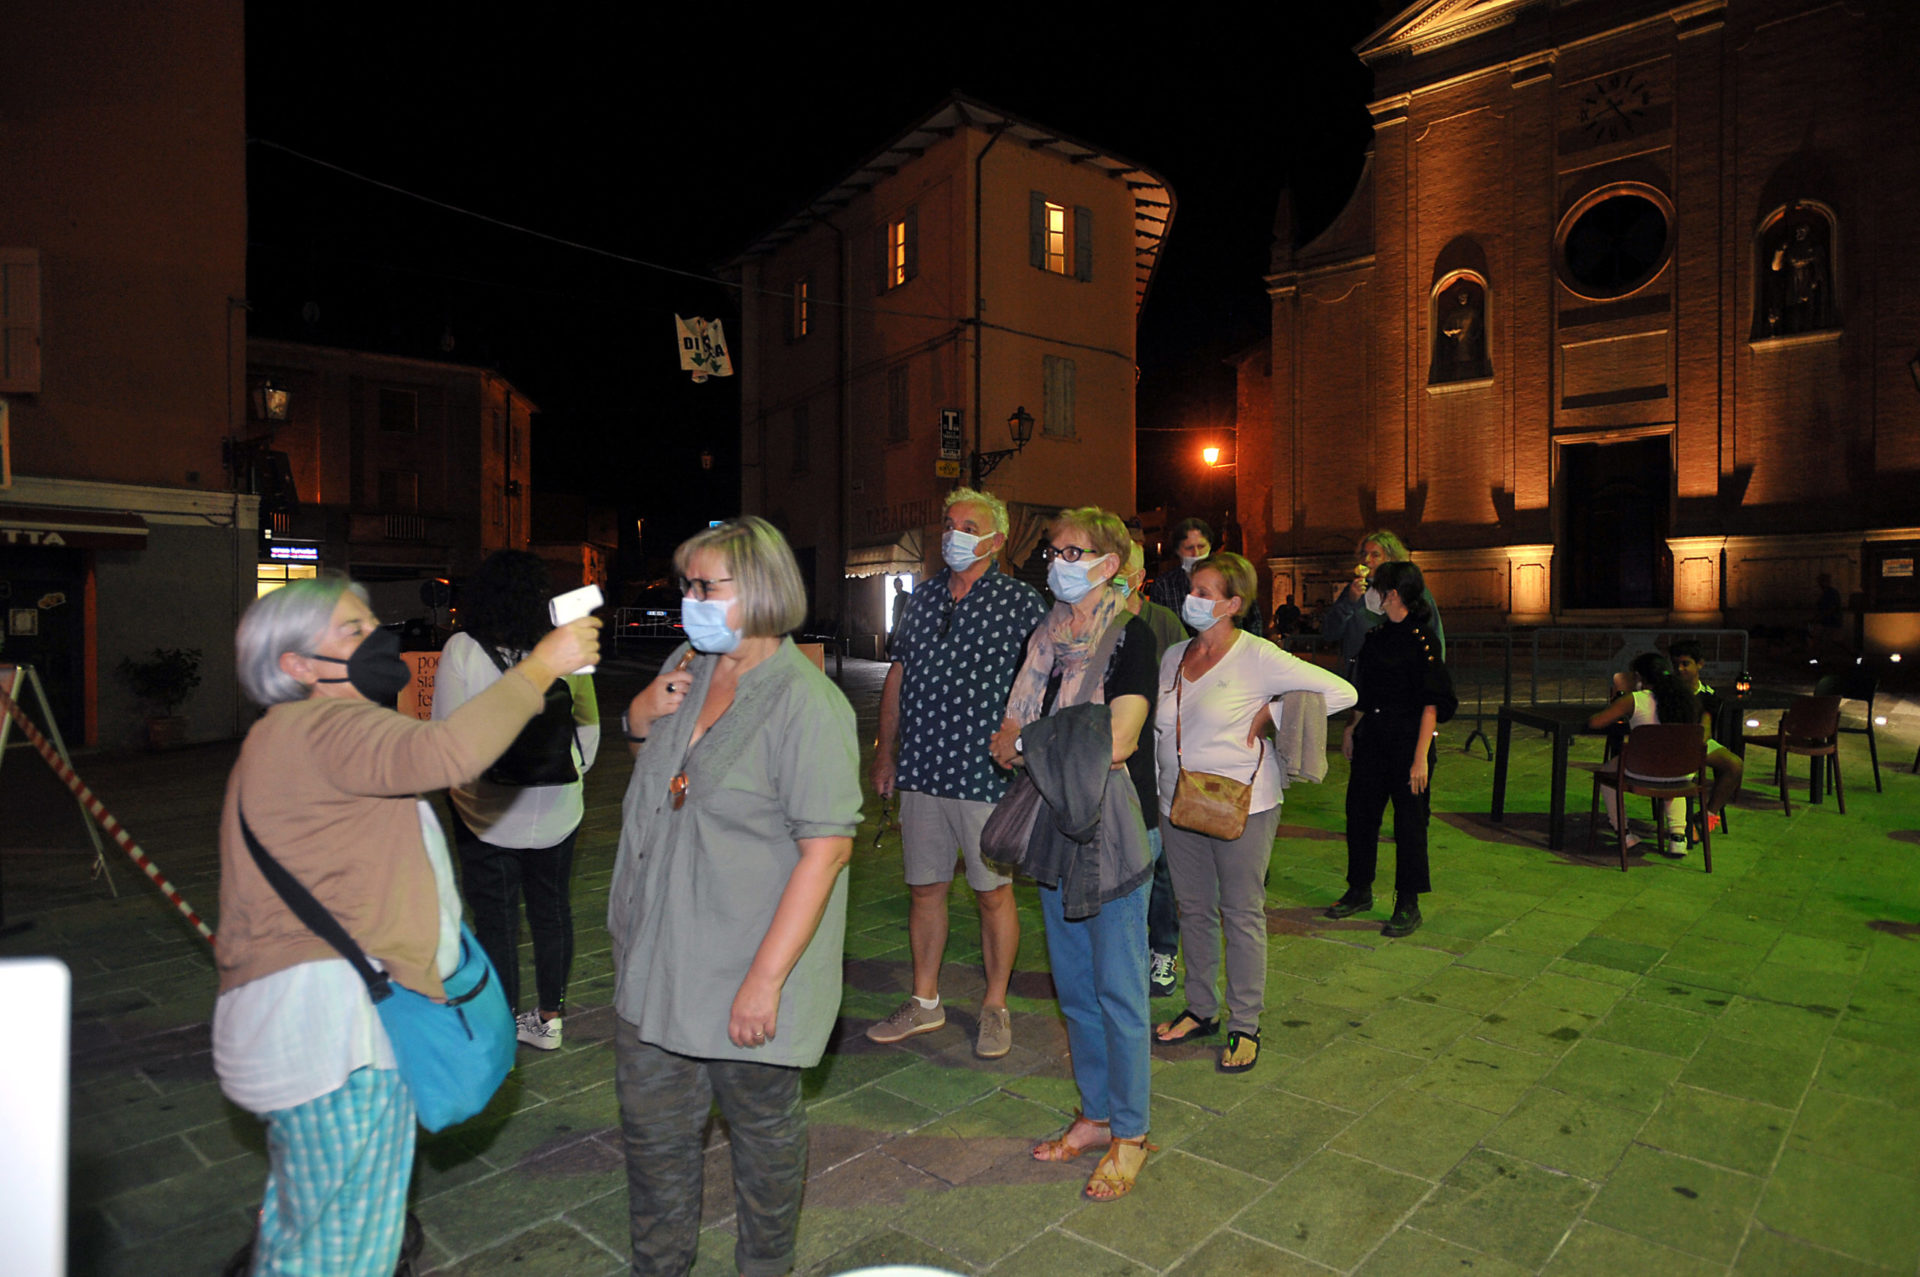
x: 1201, y: 1029
x: 1058, y: 1149
x: 1113, y: 1178
x: 1229, y: 1061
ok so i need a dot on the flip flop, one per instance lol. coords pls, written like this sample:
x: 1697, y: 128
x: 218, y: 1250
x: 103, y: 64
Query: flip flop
x: 1234, y: 1040
x: 1201, y: 1029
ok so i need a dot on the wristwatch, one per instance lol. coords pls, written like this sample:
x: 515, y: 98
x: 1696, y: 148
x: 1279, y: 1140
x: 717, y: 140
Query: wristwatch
x: 628, y: 732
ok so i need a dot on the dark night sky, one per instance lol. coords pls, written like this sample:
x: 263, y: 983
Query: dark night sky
x: 675, y: 139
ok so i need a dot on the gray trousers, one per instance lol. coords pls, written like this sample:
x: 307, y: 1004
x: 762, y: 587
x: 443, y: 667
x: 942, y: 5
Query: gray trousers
x: 664, y: 1103
x: 1222, y: 887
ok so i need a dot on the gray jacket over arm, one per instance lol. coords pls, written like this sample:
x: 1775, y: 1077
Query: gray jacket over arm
x: 1091, y: 841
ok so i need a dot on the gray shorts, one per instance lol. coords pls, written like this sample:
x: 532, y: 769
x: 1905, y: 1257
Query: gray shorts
x: 933, y: 829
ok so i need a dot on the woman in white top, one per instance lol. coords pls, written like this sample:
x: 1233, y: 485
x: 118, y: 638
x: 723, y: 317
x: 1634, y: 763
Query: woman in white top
x: 1213, y: 688
x: 1658, y: 696
x: 517, y: 840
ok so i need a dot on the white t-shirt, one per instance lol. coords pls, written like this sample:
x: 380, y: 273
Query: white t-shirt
x: 1218, y: 707
x: 515, y: 815
x: 295, y: 1035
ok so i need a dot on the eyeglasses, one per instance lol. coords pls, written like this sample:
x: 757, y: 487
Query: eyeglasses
x: 700, y: 587
x: 1071, y: 553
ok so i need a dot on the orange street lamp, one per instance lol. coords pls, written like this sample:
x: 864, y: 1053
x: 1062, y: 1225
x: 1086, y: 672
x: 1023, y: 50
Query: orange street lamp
x: 1210, y: 455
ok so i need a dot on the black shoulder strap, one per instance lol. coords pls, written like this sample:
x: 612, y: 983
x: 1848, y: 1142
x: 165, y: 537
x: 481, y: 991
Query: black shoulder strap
x: 499, y: 661
x: 314, y: 914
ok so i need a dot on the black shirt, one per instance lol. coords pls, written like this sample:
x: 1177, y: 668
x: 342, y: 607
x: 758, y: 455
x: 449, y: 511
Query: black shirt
x: 1134, y: 671
x: 1399, y: 673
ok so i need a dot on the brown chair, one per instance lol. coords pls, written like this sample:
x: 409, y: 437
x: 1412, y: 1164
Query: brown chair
x: 1857, y: 684
x: 1656, y: 749
x: 1810, y: 728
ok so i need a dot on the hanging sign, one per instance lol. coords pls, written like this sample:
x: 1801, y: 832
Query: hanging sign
x: 703, y: 348
x: 949, y: 435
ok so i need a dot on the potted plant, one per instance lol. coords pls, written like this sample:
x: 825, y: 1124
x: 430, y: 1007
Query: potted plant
x: 164, y: 681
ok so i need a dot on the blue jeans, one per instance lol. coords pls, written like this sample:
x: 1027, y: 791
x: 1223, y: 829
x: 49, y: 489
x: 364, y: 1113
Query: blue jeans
x: 1102, y: 986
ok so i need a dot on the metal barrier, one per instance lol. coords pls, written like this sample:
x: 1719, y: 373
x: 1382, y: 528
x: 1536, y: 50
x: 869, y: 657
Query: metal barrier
x: 642, y: 624
x: 1578, y: 664
x: 1482, y: 669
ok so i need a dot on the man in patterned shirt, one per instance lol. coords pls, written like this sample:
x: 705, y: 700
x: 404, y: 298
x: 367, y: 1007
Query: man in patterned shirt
x: 954, y: 658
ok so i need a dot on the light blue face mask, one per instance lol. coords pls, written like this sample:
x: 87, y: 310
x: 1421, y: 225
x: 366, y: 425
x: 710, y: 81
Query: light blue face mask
x: 958, y: 549
x: 1198, y: 612
x: 705, y: 621
x: 1069, y: 581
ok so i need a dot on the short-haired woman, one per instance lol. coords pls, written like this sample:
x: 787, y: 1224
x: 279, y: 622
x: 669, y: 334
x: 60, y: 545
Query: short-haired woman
x: 513, y: 839
x: 1213, y: 689
x: 728, y: 904
x: 1353, y: 615
x: 330, y: 782
x: 1405, y: 692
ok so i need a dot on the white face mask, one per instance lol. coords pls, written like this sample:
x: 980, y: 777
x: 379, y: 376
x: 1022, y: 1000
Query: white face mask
x: 960, y: 549
x: 1372, y: 602
x: 1070, y: 581
x: 1187, y: 562
x: 1198, y: 612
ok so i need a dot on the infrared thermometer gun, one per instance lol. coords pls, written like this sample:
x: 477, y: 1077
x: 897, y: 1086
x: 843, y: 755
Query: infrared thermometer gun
x: 573, y: 605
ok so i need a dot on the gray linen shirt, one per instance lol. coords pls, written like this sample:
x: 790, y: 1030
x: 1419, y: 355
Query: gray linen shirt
x: 695, y: 890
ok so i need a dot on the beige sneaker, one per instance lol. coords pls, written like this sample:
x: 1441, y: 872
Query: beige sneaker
x: 996, y: 1033
x: 910, y: 1020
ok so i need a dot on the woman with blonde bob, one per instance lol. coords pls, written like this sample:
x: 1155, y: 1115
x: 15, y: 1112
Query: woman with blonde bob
x: 330, y: 781
x: 1213, y: 691
x: 728, y: 903
x: 1090, y: 649
x: 1354, y: 614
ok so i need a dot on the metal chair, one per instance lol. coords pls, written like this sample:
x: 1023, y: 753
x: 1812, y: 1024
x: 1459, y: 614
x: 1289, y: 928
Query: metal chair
x: 1856, y: 684
x: 1656, y: 749
x: 1810, y: 728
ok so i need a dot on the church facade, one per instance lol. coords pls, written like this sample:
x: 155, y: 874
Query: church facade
x: 1621, y: 321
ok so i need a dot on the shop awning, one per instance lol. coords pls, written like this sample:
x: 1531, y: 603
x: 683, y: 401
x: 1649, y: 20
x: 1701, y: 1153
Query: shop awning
x: 903, y: 554
x: 55, y: 527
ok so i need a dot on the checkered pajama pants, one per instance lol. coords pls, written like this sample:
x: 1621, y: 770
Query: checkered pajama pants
x: 337, y: 1175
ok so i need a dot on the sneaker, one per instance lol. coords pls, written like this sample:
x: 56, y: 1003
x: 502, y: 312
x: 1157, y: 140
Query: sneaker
x: 909, y: 1020
x: 1351, y: 903
x: 541, y: 1035
x: 996, y: 1033
x: 1406, y: 917
x: 1160, y: 969
x: 1673, y: 847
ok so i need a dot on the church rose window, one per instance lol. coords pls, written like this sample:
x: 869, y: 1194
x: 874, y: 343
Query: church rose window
x: 1614, y: 243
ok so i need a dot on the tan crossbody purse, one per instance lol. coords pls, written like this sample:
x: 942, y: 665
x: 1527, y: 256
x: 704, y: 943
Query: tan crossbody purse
x: 1205, y: 802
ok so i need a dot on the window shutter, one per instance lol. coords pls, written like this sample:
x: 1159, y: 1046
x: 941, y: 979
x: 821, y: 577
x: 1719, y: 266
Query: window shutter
x: 882, y: 276
x: 20, y: 320
x: 913, y: 243
x: 1037, y: 229
x: 1082, y: 243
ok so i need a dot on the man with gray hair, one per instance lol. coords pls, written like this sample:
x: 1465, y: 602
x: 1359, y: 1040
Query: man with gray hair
x: 954, y: 657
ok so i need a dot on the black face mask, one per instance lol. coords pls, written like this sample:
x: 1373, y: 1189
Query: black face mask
x: 375, y: 669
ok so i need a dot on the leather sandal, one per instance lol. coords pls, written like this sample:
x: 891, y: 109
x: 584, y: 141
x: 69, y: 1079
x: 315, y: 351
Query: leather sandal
x: 1119, y: 1167
x: 1201, y: 1029
x: 1058, y: 1149
x: 1235, y: 1040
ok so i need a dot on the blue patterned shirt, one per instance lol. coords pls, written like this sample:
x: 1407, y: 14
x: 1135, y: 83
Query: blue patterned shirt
x: 957, y: 665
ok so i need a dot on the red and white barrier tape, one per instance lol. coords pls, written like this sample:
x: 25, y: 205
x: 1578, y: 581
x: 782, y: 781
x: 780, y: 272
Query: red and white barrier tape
x: 101, y: 814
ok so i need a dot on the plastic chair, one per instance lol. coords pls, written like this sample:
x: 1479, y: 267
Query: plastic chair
x: 1810, y: 728
x: 1857, y: 684
x: 1656, y: 749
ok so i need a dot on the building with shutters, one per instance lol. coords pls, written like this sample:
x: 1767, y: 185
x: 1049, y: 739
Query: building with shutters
x: 1621, y: 321
x: 979, y: 267
x: 122, y: 344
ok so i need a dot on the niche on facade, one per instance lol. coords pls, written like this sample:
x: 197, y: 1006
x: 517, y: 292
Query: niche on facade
x: 1461, y: 355
x: 1615, y: 241
x: 1795, y: 273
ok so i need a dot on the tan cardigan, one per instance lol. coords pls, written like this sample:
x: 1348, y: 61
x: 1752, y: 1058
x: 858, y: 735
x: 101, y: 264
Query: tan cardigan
x: 331, y: 790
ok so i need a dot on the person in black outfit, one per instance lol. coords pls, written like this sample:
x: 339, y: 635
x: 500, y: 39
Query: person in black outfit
x: 1405, y: 692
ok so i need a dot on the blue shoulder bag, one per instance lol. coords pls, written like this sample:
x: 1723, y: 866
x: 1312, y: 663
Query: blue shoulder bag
x: 453, y: 1055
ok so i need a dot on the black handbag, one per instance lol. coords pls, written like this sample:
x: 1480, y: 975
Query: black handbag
x: 542, y: 754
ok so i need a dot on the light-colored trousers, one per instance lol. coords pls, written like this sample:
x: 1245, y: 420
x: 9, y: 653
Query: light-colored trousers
x: 1221, y: 888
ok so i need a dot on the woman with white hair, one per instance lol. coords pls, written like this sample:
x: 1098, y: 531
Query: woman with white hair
x: 329, y: 780
x: 729, y: 904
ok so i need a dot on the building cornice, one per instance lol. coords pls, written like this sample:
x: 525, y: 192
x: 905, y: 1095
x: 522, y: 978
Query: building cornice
x: 190, y: 507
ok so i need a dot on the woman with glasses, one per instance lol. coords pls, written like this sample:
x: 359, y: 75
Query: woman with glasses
x: 728, y: 903
x: 1090, y: 648
x: 1215, y: 690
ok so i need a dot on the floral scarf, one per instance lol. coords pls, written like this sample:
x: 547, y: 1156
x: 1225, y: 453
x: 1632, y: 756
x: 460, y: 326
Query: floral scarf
x: 1055, y: 649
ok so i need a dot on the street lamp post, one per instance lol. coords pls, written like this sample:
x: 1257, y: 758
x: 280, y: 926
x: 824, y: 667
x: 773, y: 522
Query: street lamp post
x: 1211, y: 455
x: 1020, y: 426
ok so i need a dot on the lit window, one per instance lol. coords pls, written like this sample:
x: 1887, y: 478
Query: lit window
x: 896, y: 253
x: 899, y: 251
x: 1057, y: 238
x: 802, y: 302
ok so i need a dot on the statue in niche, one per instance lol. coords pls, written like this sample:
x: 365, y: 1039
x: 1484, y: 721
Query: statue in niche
x: 1460, y: 333
x: 1797, y: 282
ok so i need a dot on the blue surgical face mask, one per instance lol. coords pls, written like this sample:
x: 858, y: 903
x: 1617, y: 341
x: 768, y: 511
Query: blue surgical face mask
x: 960, y: 549
x: 1198, y: 612
x: 1124, y: 586
x: 705, y: 621
x: 1069, y: 581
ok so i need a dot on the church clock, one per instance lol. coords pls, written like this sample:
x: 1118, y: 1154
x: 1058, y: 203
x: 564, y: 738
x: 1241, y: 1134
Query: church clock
x: 1614, y: 106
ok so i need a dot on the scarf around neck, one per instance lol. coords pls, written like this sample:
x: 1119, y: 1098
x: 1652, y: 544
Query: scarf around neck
x: 1055, y: 649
